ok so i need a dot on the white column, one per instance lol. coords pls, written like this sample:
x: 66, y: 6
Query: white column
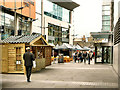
x: 42, y: 18
x: 17, y: 24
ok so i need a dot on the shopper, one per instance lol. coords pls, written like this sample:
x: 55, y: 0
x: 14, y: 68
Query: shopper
x: 80, y: 56
x: 76, y: 55
x: 28, y: 58
x: 85, y: 56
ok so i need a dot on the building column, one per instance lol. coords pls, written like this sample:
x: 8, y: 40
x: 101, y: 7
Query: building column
x: 42, y: 19
x: 71, y: 19
x: 111, y: 55
x: 17, y: 24
x: 31, y: 28
x: 0, y: 24
x: 95, y: 54
x: 102, y: 55
x: 15, y: 19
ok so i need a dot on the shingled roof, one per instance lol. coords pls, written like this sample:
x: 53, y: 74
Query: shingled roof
x: 20, y: 39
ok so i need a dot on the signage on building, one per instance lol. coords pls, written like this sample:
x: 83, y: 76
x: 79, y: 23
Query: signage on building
x: 29, y: 1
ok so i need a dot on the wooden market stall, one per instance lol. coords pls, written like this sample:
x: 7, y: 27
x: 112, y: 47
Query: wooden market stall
x: 14, y: 47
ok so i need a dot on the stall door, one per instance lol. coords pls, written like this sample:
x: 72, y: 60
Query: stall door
x: 48, y: 55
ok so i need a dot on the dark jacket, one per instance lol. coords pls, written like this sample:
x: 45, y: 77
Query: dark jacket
x: 28, y: 58
x: 84, y: 55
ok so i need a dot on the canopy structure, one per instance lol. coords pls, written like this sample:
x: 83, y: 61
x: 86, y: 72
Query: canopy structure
x: 65, y: 46
x: 68, y: 46
x: 68, y: 4
x: 56, y: 47
x: 86, y: 48
x: 78, y: 47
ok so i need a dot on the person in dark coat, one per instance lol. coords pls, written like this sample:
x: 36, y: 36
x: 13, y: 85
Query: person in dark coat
x: 85, y: 56
x: 28, y: 59
x: 76, y: 56
x: 80, y: 56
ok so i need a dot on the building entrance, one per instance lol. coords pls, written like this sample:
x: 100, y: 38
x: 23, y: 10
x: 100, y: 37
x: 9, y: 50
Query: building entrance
x: 103, y: 54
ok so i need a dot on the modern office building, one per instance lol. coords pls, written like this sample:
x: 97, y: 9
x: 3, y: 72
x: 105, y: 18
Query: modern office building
x: 104, y: 46
x: 116, y: 47
x: 16, y: 17
x: 107, y: 16
x: 57, y: 21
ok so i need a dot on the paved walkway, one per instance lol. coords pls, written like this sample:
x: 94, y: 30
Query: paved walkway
x: 67, y: 75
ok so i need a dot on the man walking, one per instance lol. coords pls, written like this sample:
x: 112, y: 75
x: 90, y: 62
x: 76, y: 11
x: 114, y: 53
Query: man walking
x: 28, y: 58
x: 85, y: 56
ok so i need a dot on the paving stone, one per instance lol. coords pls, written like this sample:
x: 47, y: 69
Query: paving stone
x: 66, y: 75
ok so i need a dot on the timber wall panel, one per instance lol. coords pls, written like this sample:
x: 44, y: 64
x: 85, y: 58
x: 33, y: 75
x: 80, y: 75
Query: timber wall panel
x: 4, y: 58
x: 48, y: 56
x: 12, y: 56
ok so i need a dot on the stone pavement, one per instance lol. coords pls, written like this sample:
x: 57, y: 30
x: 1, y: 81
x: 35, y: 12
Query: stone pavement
x: 66, y: 75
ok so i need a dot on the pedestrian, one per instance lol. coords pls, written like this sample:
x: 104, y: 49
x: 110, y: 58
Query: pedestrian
x: 85, y: 56
x: 73, y: 55
x: 55, y: 55
x: 91, y: 55
x: 80, y: 56
x: 28, y: 58
x: 76, y: 55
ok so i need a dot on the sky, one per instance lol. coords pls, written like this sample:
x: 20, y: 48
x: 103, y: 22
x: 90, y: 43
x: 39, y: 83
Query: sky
x: 87, y: 17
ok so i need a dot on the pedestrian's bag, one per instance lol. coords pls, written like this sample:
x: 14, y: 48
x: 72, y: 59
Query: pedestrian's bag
x: 34, y: 64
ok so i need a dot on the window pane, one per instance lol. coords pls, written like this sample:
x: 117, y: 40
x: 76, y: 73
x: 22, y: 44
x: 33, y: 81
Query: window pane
x: 106, y: 12
x: 106, y: 23
x: 56, y: 11
x: 106, y: 28
x: 106, y: 7
x: 106, y: 17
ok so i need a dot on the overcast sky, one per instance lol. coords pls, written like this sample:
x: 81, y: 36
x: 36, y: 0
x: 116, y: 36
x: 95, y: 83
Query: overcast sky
x: 87, y: 17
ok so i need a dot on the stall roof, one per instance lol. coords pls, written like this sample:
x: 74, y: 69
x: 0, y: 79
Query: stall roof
x: 63, y: 46
x: 68, y: 4
x: 25, y: 39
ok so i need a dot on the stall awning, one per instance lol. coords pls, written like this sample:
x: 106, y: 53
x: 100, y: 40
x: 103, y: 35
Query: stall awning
x: 68, y: 4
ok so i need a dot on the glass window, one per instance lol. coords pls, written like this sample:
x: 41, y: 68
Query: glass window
x: 56, y: 11
x: 106, y: 12
x: 106, y: 28
x: 7, y: 21
x: 56, y: 32
x: 24, y: 27
x: 106, y: 23
x: 65, y: 33
x: 106, y: 7
x: 106, y: 17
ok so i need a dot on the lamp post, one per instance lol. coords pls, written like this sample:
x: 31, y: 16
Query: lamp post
x: 15, y: 28
x: 4, y: 16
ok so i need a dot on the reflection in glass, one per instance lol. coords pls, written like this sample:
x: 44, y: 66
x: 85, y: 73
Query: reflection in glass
x: 56, y: 11
x: 7, y: 21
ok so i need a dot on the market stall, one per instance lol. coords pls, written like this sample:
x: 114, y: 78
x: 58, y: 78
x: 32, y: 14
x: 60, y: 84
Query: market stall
x: 66, y: 50
x: 14, y: 47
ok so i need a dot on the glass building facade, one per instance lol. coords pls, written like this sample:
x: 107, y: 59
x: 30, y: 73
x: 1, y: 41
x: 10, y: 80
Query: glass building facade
x: 106, y: 27
x: 56, y: 11
x: 24, y: 27
x: 7, y: 25
x: 57, y: 34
